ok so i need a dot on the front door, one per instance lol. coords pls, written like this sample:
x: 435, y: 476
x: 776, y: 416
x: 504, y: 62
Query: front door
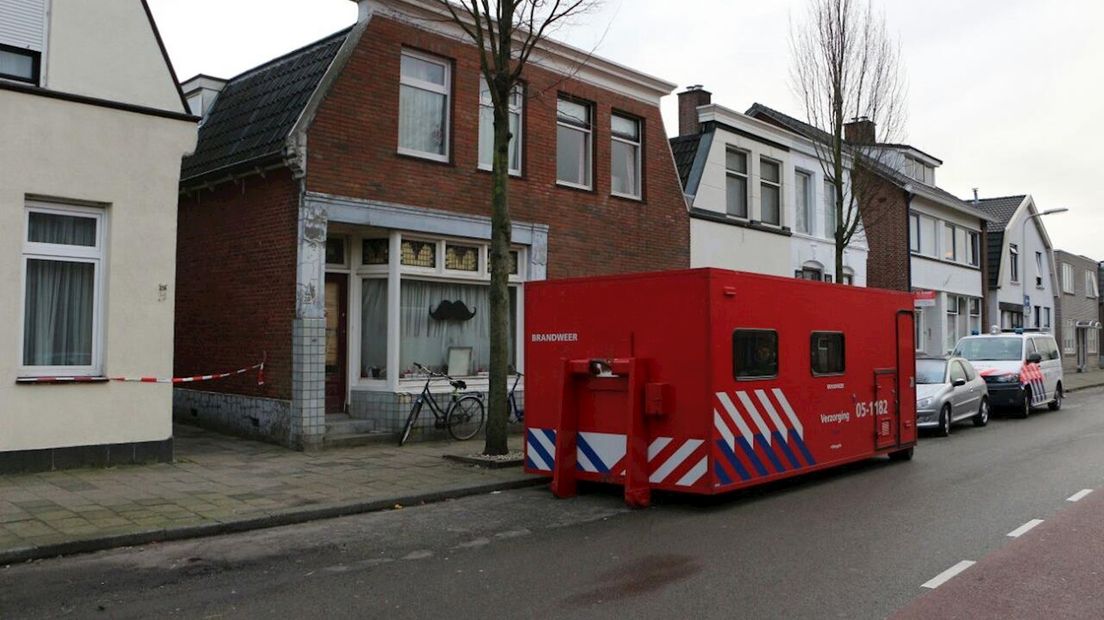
x: 337, y: 303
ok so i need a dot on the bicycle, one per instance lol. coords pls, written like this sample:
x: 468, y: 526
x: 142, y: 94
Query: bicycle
x: 463, y: 418
x: 517, y: 414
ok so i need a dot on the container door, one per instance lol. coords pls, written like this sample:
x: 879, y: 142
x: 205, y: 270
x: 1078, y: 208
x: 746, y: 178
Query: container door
x: 906, y: 379
x: 884, y: 409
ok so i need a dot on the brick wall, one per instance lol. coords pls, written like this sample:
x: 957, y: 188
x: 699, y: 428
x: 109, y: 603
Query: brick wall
x: 353, y: 143
x: 885, y: 218
x: 235, y: 282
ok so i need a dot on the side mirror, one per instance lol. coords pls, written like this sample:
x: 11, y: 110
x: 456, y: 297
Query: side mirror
x: 1034, y: 358
x: 959, y: 382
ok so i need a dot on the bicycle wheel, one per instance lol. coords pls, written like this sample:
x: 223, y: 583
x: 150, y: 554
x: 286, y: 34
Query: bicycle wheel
x: 465, y: 417
x: 410, y: 420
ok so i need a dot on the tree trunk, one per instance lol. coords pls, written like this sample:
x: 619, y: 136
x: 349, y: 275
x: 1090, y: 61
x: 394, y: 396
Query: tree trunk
x: 497, y: 413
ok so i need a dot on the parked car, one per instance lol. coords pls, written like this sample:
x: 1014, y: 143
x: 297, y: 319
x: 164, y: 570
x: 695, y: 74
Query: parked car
x: 1022, y: 369
x: 949, y: 391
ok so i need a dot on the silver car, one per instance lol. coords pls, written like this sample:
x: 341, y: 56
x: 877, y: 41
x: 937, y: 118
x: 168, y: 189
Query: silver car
x: 949, y: 391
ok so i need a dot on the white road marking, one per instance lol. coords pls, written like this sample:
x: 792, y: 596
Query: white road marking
x: 947, y: 575
x: 1078, y: 496
x: 1025, y: 528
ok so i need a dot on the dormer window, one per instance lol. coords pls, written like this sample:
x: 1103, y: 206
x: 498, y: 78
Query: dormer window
x: 920, y: 171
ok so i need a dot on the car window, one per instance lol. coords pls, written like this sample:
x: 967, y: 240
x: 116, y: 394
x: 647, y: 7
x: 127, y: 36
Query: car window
x: 930, y: 371
x: 957, y: 372
x: 1029, y: 347
x: 1052, y: 349
x: 754, y: 354
x: 970, y: 372
x: 988, y: 348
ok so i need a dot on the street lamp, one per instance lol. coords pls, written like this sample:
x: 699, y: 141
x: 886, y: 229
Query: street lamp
x: 1023, y: 250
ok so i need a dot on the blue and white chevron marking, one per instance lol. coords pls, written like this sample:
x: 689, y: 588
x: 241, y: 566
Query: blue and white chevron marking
x: 756, y: 437
x: 540, y: 449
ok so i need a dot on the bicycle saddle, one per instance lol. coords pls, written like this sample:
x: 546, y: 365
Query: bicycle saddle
x: 460, y: 385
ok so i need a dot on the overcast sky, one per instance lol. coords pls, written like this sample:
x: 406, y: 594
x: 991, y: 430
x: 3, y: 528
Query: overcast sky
x: 1008, y: 93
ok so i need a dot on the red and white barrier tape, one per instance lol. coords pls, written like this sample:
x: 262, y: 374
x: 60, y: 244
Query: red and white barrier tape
x: 174, y: 380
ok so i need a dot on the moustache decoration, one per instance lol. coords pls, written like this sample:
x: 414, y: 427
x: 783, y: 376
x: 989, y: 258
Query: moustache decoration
x: 452, y: 311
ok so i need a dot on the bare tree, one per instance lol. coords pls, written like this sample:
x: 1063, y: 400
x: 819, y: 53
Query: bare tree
x: 506, y: 32
x: 844, y: 68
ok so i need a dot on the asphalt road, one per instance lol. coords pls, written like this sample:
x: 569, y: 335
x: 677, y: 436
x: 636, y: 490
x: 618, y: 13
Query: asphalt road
x: 858, y: 542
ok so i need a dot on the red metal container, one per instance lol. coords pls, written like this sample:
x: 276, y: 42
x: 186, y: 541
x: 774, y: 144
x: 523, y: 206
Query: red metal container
x: 705, y: 381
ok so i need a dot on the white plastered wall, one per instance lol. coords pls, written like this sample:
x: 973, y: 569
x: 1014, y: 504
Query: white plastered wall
x: 130, y: 162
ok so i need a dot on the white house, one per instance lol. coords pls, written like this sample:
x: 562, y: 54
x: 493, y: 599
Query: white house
x: 1021, y: 264
x: 94, y: 127
x: 757, y: 197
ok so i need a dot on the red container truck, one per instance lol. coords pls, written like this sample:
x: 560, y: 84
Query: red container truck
x: 706, y: 381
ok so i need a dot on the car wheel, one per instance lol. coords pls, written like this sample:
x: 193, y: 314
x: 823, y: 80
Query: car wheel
x: 1025, y: 408
x: 982, y: 416
x: 945, y: 421
x: 1056, y: 404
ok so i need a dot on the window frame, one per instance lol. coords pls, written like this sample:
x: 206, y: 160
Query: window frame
x: 745, y: 175
x: 1014, y: 263
x: 777, y: 185
x: 445, y: 90
x: 36, y: 65
x: 639, y: 145
x: 1068, y: 285
x: 588, y: 130
x: 973, y: 248
x: 97, y: 256
x: 914, y: 231
x: 519, y: 109
x: 953, y: 249
x: 843, y: 353
x: 1090, y: 285
x: 777, y: 356
x: 805, y: 210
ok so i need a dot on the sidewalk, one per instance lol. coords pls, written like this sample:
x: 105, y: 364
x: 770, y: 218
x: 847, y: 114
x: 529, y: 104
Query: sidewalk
x: 1081, y: 380
x: 221, y: 484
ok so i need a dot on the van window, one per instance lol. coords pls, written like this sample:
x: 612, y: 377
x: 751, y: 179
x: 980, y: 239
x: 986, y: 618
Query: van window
x: 754, y: 354
x: 1051, y: 349
x: 1029, y: 348
x: 826, y: 353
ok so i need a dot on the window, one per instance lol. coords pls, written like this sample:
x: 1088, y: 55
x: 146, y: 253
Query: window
x: 1039, y: 271
x: 804, y: 215
x: 427, y: 333
x: 573, y: 143
x: 62, y: 288
x: 625, y: 157
x: 376, y: 252
x: 1038, y: 317
x: 461, y: 257
x: 975, y: 317
x: 826, y: 353
x: 974, y: 249
x: 1014, y: 261
x: 770, y: 191
x: 914, y: 232
x: 424, y: 106
x: 1093, y: 338
x: 486, y: 128
x: 373, y: 328
x: 847, y: 278
x: 335, y: 251
x: 19, y: 64
x: 754, y: 354
x: 513, y: 262
x: 927, y: 236
x: 957, y: 372
x: 952, y: 322
x: 1067, y: 278
x: 1069, y: 334
x: 829, y: 210
x: 1046, y: 318
x: 736, y: 183
x: 1090, y: 284
x: 949, y: 236
x: 419, y: 253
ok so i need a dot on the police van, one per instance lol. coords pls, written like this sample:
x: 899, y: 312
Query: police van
x: 1021, y: 368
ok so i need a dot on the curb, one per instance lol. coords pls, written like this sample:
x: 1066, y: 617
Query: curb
x: 75, y: 547
x: 1083, y: 387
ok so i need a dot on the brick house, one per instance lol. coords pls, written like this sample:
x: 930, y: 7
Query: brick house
x: 1077, y: 311
x: 919, y: 237
x: 339, y: 195
x: 94, y: 126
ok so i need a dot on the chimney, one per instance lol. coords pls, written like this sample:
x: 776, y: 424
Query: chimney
x: 860, y: 130
x: 689, y: 101
x: 975, y: 196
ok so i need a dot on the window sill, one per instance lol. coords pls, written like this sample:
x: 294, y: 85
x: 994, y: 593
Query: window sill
x: 516, y: 174
x: 60, y: 379
x: 426, y: 157
x: 573, y: 186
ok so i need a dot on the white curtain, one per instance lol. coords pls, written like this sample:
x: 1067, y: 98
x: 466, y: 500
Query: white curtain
x: 624, y: 168
x: 422, y: 120
x: 373, y: 333
x: 58, y: 324
x: 426, y: 340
